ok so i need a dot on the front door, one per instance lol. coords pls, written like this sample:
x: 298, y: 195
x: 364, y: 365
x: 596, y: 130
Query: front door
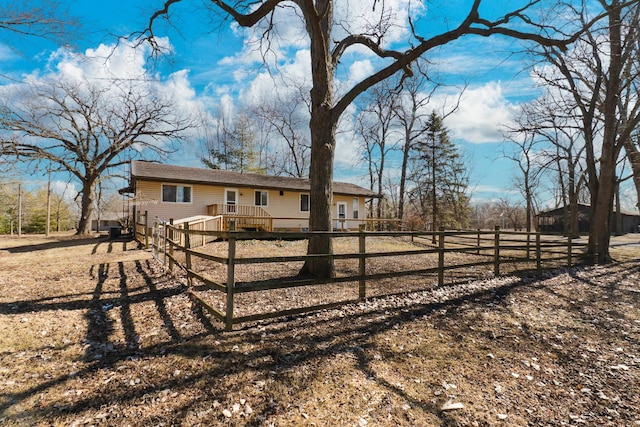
x: 230, y: 201
x: 341, y: 224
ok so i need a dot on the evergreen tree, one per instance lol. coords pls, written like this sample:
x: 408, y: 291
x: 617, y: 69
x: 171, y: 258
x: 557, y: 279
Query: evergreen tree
x: 439, y: 179
x: 234, y: 148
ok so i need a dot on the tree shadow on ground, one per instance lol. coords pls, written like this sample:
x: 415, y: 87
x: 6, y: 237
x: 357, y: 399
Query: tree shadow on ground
x: 278, y: 352
x: 55, y: 243
x: 264, y: 348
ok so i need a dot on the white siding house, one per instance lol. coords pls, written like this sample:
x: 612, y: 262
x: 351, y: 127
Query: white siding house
x: 274, y: 202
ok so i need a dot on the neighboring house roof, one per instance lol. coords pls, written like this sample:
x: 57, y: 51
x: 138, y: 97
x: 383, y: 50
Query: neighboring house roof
x: 583, y: 208
x: 169, y: 173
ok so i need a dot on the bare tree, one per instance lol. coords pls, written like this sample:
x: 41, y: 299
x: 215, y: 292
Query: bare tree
x: 548, y: 142
x: 413, y: 116
x: 376, y: 127
x: 509, y: 214
x: 528, y: 180
x: 47, y: 19
x: 88, y: 130
x: 600, y: 76
x: 286, y: 122
x: 329, y: 39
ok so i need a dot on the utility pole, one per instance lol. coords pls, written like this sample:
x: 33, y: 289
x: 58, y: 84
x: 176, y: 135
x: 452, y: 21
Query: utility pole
x: 19, y: 209
x: 48, y: 226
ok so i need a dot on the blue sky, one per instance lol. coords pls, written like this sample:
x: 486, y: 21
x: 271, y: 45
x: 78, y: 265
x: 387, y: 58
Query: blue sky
x: 211, y: 63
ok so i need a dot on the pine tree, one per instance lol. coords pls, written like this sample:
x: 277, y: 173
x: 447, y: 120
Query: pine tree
x: 439, y: 179
x: 234, y: 148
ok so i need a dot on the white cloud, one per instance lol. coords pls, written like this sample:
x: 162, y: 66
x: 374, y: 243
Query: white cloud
x: 359, y: 70
x: 67, y: 190
x: 482, y: 113
x: 104, y: 63
x: 290, y: 78
x: 115, y: 69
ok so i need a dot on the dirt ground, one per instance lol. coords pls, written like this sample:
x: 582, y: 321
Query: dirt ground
x: 92, y: 332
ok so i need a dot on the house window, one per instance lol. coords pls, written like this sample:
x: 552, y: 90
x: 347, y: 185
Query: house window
x: 176, y: 194
x: 355, y: 208
x: 304, y: 203
x: 262, y: 198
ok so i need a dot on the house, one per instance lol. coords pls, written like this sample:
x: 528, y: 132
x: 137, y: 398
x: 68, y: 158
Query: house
x: 105, y: 221
x: 554, y: 221
x: 249, y: 201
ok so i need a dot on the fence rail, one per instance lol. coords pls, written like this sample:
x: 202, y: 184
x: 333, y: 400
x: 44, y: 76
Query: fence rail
x: 217, y: 289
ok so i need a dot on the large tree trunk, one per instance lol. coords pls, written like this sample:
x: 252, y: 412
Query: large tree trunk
x: 321, y: 195
x: 86, y: 208
x: 600, y: 228
x: 602, y: 203
x: 322, y: 126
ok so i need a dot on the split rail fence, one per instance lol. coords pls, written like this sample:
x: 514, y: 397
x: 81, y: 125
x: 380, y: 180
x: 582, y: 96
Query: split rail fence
x: 215, y: 278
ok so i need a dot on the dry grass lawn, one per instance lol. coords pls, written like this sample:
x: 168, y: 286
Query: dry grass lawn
x: 92, y: 332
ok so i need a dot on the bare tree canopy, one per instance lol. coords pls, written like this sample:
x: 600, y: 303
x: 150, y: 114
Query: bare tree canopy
x: 330, y: 37
x: 87, y: 129
x: 48, y: 19
x: 597, y: 81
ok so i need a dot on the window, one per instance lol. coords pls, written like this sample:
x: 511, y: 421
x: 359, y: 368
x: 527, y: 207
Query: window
x: 355, y: 208
x: 176, y: 194
x: 304, y: 203
x: 262, y: 198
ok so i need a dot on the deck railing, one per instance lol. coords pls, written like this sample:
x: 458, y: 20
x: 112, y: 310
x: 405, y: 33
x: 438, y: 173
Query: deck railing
x: 237, y: 210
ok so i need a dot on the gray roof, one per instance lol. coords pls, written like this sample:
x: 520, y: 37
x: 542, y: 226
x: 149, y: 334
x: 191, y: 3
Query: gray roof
x: 169, y: 173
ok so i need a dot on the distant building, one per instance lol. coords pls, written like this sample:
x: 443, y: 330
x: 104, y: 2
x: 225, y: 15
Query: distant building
x: 553, y: 221
x: 106, y: 221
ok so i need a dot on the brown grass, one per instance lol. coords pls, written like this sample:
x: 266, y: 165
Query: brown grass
x: 93, y: 332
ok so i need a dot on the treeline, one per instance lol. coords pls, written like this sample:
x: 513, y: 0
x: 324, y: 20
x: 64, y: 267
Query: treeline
x: 25, y: 211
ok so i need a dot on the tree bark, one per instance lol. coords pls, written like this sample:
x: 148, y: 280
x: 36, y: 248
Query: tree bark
x: 86, y: 204
x: 321, y: 194
x: 322, y: 125
x: 600, y: 229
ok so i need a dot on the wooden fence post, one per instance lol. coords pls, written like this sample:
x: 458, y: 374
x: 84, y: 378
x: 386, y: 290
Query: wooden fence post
x: 362, y: 286
x: 164, y: 237
x: 496, y: 251
x: 441, y: 257
x: 569, y: 251
x: 171, y: 238
x: 478, y: 243
x: 187, y: 254
x: 146, y: 229
x: 230, y: 282
x: 538, y: 254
